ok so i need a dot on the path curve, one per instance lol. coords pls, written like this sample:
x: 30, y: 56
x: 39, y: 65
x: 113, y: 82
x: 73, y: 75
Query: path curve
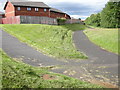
x: 101, y: 65
x: 99, y: 61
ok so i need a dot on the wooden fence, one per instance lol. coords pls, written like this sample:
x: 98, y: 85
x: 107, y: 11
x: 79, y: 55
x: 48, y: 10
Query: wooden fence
x: 71, y: 21
x: 0, y: 20
x: 37, y: 20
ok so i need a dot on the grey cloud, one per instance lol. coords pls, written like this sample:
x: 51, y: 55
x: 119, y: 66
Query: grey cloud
x: 76, y: 8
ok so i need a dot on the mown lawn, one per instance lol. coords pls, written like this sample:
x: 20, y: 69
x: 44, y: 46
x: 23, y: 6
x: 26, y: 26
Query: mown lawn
x: 51, y: 40
x: 16, y: 74
x: 105, y: 38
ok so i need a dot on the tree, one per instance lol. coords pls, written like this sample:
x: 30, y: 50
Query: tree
x: 93, y: 20
x: 110, y: 15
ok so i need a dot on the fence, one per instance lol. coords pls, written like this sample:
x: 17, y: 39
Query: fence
x: 70, y: 21
x: 0, y: 20
x: 11, y: 20
x: 37, y: 20
x: 28, y: 20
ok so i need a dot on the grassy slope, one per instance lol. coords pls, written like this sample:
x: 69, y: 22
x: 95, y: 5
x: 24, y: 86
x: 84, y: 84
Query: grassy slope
x: 105, y: 38
x: 19, y: 75
x: 52, y: 40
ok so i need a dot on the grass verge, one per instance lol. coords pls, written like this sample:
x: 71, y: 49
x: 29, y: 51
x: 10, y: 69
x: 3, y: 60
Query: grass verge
x: 16, y: 74
x: 52, y: 40
x: 105, y: 38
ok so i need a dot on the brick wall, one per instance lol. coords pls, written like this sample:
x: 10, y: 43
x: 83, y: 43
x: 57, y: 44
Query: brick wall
x: 11, y: 20
x: 57, y: 15
x: 9, y: 11
x: 24, y: 12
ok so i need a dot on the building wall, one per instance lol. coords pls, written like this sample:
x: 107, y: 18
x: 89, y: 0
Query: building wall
x: 11, y: 20
x: 24, y: 12
x: 68, y: 17
x: 57, y: 15
x: 9, y: 11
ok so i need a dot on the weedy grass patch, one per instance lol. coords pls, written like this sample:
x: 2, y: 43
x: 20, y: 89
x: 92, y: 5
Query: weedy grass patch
x: 51, y: 40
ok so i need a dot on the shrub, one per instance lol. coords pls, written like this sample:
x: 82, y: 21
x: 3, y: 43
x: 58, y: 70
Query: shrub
x: 61, y: 21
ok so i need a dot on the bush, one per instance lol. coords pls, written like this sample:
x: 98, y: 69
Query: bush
x: 93, y: 20
x: 61, y: 21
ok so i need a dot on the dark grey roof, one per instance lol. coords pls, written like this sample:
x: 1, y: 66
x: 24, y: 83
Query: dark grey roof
x: 56, y: 10
x: 30, y: 4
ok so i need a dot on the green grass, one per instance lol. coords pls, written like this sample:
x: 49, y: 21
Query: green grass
x: 16, y: 74
x: 52, y: 40
x: 74, y: 27
x: 0, y: 70
x: 105, y: 38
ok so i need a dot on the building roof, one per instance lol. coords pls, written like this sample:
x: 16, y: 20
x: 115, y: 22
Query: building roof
x: 29, y: 4
x: 56, y: 10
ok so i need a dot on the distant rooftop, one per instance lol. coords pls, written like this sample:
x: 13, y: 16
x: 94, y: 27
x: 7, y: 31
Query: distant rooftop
x: 31, y: 4
x: 56, y: 10
x: 28, y: 4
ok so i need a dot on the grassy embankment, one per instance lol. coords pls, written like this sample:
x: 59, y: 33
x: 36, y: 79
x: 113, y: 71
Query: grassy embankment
x: 105, y: 38
x: 52, y: 40
x: 16, y: 74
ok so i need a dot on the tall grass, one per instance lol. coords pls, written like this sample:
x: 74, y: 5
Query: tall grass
x: 52, y: 40
x: 105, y: 38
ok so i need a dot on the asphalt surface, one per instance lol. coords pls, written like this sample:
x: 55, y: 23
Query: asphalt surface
x: 100, y: 65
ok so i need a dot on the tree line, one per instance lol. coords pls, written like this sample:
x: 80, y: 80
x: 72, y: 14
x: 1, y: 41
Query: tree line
x: 109, y: 17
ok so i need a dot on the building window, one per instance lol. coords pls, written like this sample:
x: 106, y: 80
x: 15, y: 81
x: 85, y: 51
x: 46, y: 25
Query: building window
x: 45, y: 10
x: 29, y: 9
x: 18, y: 8
x: 36, y: 9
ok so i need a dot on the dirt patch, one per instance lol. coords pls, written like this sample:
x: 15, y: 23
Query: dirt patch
x: 105, y: 84
x: 48, y: 77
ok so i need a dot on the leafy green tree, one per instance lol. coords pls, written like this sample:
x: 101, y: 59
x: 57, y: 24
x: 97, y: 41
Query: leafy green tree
x: 93, y: 20
x: 110, y: 15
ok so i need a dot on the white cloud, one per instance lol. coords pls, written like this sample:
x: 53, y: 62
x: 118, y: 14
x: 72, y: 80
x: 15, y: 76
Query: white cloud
x: 79, y: 16
x: 87, y: 2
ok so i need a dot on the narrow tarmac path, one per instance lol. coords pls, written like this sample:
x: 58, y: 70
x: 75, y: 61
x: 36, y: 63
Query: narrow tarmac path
x: 100, y: 66
x: 16, y: 49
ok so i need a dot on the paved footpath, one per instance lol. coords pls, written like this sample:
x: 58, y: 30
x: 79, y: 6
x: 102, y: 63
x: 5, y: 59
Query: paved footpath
x: 101, y: 67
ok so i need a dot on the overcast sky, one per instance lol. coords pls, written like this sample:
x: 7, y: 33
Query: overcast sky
x: 75, y: 8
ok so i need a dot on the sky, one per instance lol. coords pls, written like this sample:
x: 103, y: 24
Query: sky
x: 75, y: 8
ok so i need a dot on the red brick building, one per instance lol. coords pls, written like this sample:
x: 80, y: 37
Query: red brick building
x: 29, y: 8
